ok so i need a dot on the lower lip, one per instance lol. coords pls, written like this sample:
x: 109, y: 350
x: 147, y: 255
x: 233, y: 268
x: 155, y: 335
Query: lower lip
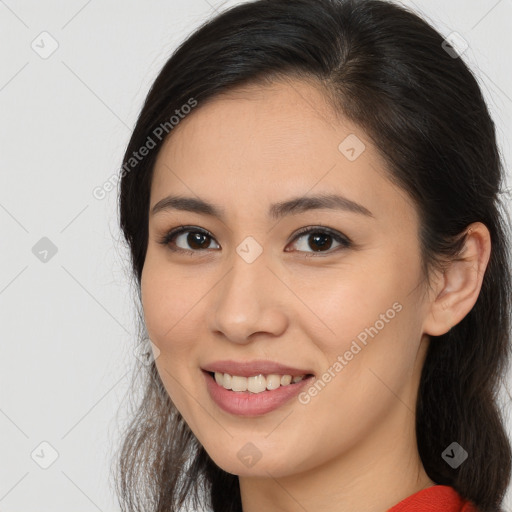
x: 245, y: 403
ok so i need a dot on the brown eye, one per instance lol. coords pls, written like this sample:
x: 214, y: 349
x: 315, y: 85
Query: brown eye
x: 188, y: 239
x: 191, y: 239
x: 320, y: 240
x: 194, y: 240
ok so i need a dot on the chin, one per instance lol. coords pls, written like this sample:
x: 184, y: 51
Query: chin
x: 249, y: 460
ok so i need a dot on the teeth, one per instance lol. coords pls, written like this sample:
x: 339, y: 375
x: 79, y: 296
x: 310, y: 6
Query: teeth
x: 255, y: 384
x: 219, y: 378
x: 285, y: 380
x: 238, y: 383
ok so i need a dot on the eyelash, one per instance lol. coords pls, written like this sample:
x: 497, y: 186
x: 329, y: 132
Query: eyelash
x: 344, y: 241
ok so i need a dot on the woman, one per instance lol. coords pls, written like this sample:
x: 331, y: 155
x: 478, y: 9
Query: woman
x: 311, y: 198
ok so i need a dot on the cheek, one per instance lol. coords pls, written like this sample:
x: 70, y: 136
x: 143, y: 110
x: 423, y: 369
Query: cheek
x: 167, y: 299
x: 365, y: 315
x: 343, y: 302
x: 167, y: 304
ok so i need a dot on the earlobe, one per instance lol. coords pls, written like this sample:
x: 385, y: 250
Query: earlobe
x: 457, y: 289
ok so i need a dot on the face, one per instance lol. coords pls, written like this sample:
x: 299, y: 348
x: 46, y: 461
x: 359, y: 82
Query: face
x: 332, y: 290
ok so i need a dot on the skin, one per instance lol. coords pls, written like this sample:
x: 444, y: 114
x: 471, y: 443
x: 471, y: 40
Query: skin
x: 353, y: 446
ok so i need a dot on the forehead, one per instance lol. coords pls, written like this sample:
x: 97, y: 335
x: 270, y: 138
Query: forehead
x: 284, y: 121
x: 259, y: 144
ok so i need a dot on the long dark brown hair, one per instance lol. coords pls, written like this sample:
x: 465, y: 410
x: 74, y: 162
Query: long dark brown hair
x: 391, y: 73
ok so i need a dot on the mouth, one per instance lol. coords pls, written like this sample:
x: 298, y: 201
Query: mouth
x: 251, y: 396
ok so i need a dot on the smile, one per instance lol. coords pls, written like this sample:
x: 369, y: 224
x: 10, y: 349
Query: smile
x: 238, y: 399
x: 256, y: 383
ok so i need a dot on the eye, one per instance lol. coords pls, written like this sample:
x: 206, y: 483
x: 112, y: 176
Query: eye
x: 320, y: 240
x: 193, y: 239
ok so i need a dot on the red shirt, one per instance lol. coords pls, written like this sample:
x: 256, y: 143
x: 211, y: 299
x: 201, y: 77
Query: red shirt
x: 437, y: 498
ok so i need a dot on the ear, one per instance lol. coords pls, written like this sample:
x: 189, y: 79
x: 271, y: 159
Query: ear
x: 456, y: 290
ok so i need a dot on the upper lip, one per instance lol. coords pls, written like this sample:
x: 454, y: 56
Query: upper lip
x: 256, y: 367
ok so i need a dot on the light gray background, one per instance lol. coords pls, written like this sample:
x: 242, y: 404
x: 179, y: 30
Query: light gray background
x: 67, y: 324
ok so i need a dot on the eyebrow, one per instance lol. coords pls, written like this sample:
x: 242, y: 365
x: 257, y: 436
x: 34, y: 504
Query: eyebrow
x: 276, y: 211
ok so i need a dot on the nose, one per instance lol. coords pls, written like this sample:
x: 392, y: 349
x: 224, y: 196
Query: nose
x: 248, y: 302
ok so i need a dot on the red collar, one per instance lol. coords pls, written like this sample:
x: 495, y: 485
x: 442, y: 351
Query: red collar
x: 437, y: 498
